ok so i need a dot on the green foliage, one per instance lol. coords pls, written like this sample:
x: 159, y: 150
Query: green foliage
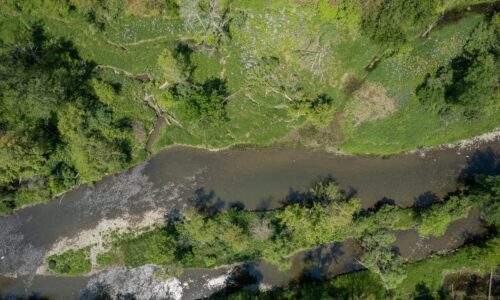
x: 6, y: 207
x: 386, y: 217
x: 468, y: 84
x: 344, y: 11
x: 427, y: 273
x: 299, y: 228
x: 486, y: 197
x: 315, y: 42
x: 319, y: 110
x: 380, y: 258
x: 357, y: 285
x: 107, y: 259
x: 387, y: 21
x: 59, y: 124
x: 203, y: 103
x: 204, y: 237
x: 71, y: 262
x: 170, y: 67
x: 430, y: 272
x: 436, y: 219
x: 218, y: 239
x: 153, y: 247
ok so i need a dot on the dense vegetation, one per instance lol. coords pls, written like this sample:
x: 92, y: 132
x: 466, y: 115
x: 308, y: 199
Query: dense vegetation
x: 55, y: 131
x: 389, y: 278
x: 83, y: 81
x: 73, y: 262
x: 424, y: 280
x: 208, y: 238
x: 468, y: 84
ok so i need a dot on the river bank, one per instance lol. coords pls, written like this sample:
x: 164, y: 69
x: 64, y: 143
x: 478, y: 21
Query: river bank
x: 257, y: 179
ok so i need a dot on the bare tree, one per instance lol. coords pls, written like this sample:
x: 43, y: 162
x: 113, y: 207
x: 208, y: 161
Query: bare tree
x: 206, y: 19
x: 313, y: 56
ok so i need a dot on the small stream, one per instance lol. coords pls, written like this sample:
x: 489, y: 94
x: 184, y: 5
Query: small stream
x: 254, y: 179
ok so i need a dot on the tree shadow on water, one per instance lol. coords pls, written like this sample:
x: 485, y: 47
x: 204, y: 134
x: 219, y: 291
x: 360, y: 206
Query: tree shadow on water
x: 482, y: 162
x: 33, y: 296
x: 426, y: 199
x: 243, y: 276
x: 307, y: 198
x: 318, y: 261
x: 208, y: 204
x: 384, y: 201
x: 264, y: 204
x: 172, y: 216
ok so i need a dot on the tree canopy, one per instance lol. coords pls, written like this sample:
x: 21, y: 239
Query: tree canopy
x: 54, y: 130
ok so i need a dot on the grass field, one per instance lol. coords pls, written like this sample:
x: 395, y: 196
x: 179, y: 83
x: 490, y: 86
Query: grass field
x: 131, y: 45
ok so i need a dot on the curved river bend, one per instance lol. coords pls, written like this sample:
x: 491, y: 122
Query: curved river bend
x: 254, y: 179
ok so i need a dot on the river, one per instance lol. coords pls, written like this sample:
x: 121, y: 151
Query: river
x: 254, y: 179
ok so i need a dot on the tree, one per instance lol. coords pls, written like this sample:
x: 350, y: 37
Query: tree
x: 171, y: 70
x: 468, y: 84
x: 55, y: 131
x: 435, y: 219
x: 387, y: 21
x: 485, y: 195
x: 205, y: 103
x: 380, y: 258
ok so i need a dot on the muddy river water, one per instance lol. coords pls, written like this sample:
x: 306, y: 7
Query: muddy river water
x: 254, y: 179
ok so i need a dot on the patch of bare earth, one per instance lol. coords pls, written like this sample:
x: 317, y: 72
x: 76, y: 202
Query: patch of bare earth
x: 369, y: 103
x: 139, y: 132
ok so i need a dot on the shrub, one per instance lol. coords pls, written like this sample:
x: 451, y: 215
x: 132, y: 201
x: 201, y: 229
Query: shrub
x: 436, y: 219
x: 72, y: 262
x: 387, y: 21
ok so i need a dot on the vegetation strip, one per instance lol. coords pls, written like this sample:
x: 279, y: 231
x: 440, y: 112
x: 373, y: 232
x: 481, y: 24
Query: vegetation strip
x: 345, y: 76
x: 207, y: 238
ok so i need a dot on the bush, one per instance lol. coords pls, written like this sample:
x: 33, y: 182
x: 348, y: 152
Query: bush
x: 436, y: 219
x: 153, y: 247
x: 107, y: 259
x: 468, y: 84
x: 387, y: 21
x: 55, y: 129
x: 72, y: 262
x: 380, y: 258
x: 205, y: 103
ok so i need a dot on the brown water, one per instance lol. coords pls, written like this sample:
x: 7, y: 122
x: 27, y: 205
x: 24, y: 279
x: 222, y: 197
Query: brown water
x: 255, y: 179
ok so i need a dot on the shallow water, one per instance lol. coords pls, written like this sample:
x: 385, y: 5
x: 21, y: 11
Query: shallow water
x: 255, y: 179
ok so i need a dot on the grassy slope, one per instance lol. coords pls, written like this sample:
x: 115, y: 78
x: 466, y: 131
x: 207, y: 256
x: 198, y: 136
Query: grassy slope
x: 413, y: 127
x: 268, y: 119
x: 257, y: 116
